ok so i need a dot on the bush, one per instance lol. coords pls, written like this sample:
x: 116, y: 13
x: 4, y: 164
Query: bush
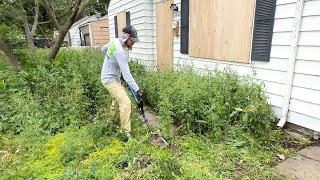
x: 214, y: 104
x: 12, y: 35
x: 67, y: 92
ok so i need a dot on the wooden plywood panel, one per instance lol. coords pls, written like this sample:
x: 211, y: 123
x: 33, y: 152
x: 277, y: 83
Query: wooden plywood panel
x: 221, y: 29
x: 164, y: 36
x: 100, y: 28
x: 233, y: 29
x: 121, y: 21
x: 201, y: 28
x: 100, y: 32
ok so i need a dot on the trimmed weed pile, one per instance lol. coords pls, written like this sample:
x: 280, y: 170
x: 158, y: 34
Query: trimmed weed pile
x: 54, y: 124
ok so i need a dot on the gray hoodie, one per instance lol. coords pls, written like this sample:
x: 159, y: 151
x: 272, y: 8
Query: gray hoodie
x: 116, y: 63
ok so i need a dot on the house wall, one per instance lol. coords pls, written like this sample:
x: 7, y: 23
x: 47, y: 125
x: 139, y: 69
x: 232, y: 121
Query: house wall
x: 141, y: 18
x: 74, y: 30
x: 305, y: 99
x: 75, y: 36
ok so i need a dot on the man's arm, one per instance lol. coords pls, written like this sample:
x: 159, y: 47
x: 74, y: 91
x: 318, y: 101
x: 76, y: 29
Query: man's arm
x: 125, y: 70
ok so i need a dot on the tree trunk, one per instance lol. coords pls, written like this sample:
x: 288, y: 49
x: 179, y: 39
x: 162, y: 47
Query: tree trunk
x: 27, y: 28
x: 36, y: 18
x: 79, y: 7
x: 57, y: 44
x: 7, y: 51
x: 28, y: 35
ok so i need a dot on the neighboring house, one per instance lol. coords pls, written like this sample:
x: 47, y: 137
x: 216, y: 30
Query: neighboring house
x: 95, y: 33
x: 276, y: 42
x: 74, y: 33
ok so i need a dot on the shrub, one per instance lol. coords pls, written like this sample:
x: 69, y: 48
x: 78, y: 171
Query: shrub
x: 12, y: 35
x: 66, y: 92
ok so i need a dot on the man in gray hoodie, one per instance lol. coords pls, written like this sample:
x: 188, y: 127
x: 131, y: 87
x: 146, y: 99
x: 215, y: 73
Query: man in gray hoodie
x: 115, y: 64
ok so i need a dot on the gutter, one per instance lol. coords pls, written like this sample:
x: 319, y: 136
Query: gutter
x: 292, y: 62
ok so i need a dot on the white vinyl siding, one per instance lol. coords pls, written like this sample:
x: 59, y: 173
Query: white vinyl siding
x: 141, y: 18
x: 305, y: 100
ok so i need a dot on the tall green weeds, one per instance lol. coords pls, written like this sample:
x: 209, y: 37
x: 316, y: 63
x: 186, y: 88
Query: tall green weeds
x: 218, y: 105
x: 51, y: 96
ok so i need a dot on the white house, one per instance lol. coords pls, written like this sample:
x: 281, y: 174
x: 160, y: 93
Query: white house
x: 277, y: 42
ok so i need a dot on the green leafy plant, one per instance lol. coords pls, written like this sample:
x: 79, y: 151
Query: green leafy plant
x: 214, y: 104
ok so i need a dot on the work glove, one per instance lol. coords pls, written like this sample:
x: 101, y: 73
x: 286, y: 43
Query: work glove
x: 139, y: 94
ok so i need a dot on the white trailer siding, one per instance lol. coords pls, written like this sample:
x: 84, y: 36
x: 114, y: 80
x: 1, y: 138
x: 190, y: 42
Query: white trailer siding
x: 75, y: 36
x: 304, y: 107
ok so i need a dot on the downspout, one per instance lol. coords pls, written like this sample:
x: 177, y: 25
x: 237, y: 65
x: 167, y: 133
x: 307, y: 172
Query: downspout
x: 292, y: 62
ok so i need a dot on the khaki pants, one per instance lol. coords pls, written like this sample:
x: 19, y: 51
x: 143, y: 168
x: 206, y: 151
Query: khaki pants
x: 121, y: 98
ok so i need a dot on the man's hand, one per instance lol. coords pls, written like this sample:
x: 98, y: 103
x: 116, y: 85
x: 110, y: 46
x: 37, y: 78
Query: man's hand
x: 139, y: 92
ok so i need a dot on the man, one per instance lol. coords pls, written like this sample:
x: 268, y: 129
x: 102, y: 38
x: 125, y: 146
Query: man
x: 115, y: 64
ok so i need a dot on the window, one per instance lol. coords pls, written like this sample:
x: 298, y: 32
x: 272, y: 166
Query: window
x: 116, y: 26
x: 263, y: 30
x: 87, y: 40
x: 128, y: 20
x: 121, y: 20
x: 221, y: 30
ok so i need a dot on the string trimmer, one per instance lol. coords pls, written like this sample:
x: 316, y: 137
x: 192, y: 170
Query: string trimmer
x: 140, y: 108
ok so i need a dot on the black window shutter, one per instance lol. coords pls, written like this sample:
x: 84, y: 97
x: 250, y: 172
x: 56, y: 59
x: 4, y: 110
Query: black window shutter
x: 184, y: 42
x: 116, y: 26
x: 128, y: 18
x: 263, y: 30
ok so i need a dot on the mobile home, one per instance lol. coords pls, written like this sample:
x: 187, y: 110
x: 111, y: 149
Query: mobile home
x: 74, y: 33
x: 95, y: 33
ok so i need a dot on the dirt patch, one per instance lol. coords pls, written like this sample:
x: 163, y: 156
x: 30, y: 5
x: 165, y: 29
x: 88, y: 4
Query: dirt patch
x: 152, y: 119
x: 157, y: 139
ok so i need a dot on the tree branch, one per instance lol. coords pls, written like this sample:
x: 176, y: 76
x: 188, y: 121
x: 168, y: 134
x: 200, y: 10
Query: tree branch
x: 7, y: 52
x: 45, y: 22
x: 82, y: 8
x: 36, y: 18
x: 48, y: 7
x: 77, y: 9
x: 49, y: 21
x: 25, y: 24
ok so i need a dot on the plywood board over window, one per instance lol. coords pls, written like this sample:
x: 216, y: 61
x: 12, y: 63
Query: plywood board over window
x: 221, y: 29
x: 122, y: 21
